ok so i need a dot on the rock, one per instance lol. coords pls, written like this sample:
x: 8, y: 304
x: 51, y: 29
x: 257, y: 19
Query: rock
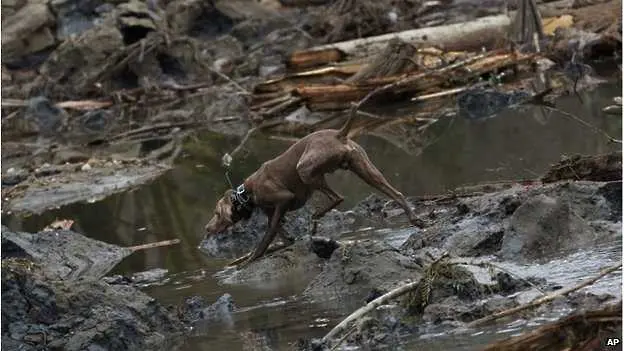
x: 296, y: 262
x: 86, y: 167
x: 474, y: 236
x: 63, y: 254
x: 221, y: 310
x: 70, y: 156
x: 223, y: 65
x: 14, y: 178
x: 323, y: 247
x: 244, y: 235
x: 117, y: 280
x: 135, y: 14
x: 188, y: 17
x: 74, y: 17
x: 27, y: 31
x: 356, y: 268
x: 80, y: 315
x: 449, y: 309
x: 195, y: 309
x: 613, y: 110
x: 76, y: 62
x: 148, y: 277
x: 380, y: 328
x: 543, y: 227
x: 372, y: 206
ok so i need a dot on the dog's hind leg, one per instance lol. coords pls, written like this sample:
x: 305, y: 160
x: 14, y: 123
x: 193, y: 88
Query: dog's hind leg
x: 360, y: 164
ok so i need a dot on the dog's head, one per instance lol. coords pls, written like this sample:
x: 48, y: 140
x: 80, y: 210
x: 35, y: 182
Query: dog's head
x: 223, y: 217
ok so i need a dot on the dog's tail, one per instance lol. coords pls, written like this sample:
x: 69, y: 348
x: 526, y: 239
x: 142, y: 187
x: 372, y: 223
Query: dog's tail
x: 343, y: 133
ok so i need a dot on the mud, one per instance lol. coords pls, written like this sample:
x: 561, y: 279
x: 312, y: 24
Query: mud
x: 297, y: 260
x: 36, y: 195
x: 356, y: 268
x: 522, y: 223
x: 137, y: 78
x: 195, y: 310
x: 245, y: 235
x: 63, y: 254
x: 56, y: 296
x: 100, y: 97
x: 41, y: 313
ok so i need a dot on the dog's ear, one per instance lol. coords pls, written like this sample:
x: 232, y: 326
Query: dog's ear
x: 227, y: 196
x: 224, y: 207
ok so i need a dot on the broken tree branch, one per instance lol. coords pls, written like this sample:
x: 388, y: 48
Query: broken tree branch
x: 437, y: 36
x: 153, y: 245
x: 545, y: 299
x: 586, y: 124
x: 402, y: 290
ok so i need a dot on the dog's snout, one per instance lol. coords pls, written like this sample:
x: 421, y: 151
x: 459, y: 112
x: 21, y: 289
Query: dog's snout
x: 208, y: 228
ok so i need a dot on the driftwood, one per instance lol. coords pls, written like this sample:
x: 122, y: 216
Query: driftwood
x: 414, y: 285
x: 395, y: 59
x: 580, y: 332
x: 370, y: 307
x: 543, y: 300
x: 339, y: 96
x: 400, y: 291
x: 434, y: 36
x: 153, y: 245
x: 527, y: 27
x: 597, y: 168
x: 273, y: 248
x: 460, y: 36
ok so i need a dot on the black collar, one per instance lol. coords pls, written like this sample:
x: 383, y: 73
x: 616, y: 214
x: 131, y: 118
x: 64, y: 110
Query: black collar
x: 242, y: 203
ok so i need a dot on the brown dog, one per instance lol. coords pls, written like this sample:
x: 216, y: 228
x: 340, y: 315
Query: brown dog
x: 287, y: 182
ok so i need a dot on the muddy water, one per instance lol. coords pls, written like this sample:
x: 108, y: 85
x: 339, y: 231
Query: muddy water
x: 514, y: 145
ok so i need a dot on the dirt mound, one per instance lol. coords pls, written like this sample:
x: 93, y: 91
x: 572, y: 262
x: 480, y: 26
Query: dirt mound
x: 356, y: 268
x: 64, y: 255
x: 600, y: 168
x: 297, y: 261
x: 500, y: 222
x: 542, y: 226
x: 245, y: 235
x: 38, y: 313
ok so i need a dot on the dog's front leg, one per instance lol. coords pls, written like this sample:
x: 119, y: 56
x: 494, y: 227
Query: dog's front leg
x: 272, y: 231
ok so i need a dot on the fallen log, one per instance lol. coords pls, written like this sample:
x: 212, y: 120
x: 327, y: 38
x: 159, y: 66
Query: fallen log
x: 489, y: 32
x: 443, y: 36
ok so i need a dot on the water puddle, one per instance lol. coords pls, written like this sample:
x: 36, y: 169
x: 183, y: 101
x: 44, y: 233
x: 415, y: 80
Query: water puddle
x: 511, y: 146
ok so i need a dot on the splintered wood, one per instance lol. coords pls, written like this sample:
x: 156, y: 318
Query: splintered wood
x: 336, y: 86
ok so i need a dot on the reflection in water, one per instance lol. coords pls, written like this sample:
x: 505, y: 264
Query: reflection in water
x: 513, y: 145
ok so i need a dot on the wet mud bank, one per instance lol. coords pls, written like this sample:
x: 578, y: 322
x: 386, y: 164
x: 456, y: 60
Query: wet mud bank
x: 485, y: 249
x: 463, y: 263
x: 57, y: 296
